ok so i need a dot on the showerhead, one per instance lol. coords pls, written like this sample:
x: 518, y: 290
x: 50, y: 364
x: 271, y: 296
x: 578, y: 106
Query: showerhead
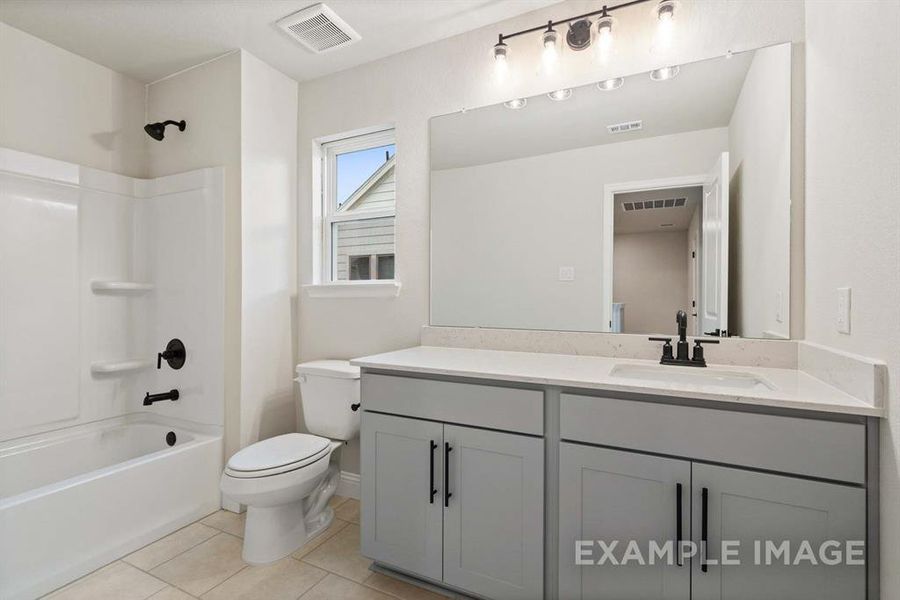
x: 158, y: 130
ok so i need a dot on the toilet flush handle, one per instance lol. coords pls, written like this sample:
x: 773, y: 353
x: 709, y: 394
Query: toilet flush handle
x: 355, y: 407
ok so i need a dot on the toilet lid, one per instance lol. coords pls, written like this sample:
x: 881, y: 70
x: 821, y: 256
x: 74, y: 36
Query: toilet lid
x: 277, y: 452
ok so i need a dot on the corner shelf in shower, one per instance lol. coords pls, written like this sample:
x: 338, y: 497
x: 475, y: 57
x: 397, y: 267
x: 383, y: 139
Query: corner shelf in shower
x: 121, y: 288
x: 108, y: 367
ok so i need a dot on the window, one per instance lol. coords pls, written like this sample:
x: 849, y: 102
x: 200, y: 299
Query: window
x: 358, y: 194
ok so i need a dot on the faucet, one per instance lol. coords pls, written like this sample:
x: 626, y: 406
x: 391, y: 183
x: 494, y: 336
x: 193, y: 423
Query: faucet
x: 151, y: 398
x: 681, y: 355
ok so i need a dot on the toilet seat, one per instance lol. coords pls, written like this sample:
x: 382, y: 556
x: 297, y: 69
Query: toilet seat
x: 277, y: 455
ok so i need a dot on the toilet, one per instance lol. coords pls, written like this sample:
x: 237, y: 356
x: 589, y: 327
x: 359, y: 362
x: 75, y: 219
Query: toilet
x: 286, y: 481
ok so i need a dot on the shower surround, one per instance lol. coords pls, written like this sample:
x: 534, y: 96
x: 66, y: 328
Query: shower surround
x: 98, y: 272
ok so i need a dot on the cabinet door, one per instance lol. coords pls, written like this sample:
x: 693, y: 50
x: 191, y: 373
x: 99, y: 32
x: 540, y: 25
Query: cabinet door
x: 744, y: 508
x: 401, y: 517
x: 615, y: 496
x: 494, y: 513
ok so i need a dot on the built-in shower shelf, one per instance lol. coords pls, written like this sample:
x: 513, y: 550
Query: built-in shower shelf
x: 106, y: 367
x: 122, y: 288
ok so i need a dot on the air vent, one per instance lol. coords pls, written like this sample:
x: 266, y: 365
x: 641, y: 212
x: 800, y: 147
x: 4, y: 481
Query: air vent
x: 649, y: 204
x: 319, y: 29
x: 623, y: 127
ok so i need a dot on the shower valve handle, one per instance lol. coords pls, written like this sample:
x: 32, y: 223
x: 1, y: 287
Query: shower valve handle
x: 174, y: 355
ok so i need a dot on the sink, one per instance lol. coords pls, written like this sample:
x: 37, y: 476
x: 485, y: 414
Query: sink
x: 692, y: 376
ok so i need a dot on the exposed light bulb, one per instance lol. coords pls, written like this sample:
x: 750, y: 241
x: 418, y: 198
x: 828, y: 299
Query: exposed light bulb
x: 560, y: 95
x: 501, y: 61
x: 516, y: 103
x: 550, y: 40
x: 665, y: 30
x: 664, y: 73
x: 611, y: 84
x: 604, y: 37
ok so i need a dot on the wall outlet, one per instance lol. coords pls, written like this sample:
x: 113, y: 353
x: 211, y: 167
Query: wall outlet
x: 779, y: 307
x: 842, y: 319
x: 567, y: 273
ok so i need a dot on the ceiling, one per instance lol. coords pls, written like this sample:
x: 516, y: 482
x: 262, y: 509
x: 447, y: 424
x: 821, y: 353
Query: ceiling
x: 150, y: 39
x: 702, y: 96
x: 656, y: 219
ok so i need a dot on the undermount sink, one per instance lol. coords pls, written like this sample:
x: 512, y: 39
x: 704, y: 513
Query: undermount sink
x: 692, y: 376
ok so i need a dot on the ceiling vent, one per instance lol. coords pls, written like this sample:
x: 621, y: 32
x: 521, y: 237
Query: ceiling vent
x: 623, y: 127
x: 651, y: 204
x: 319, y: 29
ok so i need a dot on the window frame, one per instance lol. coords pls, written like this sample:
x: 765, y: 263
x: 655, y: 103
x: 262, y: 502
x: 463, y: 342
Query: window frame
x: 329, y: 150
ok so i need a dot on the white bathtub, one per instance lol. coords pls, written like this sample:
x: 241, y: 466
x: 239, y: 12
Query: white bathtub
x: 78, y: 498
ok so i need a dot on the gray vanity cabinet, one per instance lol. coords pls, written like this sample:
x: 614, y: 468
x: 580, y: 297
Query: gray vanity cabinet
x: 616, y: 497
x: 478, y: 526
x: 745, y: 506
x: 402, y: 519
x: 494, y: 520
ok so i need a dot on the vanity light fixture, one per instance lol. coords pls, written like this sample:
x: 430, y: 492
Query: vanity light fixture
x: 611, y: 84
x: 560, y: 95
x: 664, y: 73
x: 516, y: 103
x: 579, y: 35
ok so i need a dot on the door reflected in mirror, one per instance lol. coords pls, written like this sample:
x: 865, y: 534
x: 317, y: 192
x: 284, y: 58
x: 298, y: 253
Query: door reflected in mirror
x: 612, y: 210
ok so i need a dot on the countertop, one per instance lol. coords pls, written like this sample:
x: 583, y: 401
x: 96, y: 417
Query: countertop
x: 793, y: 389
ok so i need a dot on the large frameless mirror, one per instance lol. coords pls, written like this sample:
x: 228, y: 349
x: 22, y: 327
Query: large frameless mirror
x: 612, y: 206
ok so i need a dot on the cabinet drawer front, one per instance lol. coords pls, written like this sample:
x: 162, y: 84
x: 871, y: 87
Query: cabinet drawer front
x: 508, y: 409
x: 815, y: 448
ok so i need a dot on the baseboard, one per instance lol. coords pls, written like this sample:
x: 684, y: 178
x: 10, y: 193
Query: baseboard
x: 348, y: 486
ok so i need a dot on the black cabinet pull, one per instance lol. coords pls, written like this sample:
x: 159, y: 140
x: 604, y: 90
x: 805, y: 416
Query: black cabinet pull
x: 704, y: 529
x: 678, y: 531
x: 431, y: 490
x: 447, y: 494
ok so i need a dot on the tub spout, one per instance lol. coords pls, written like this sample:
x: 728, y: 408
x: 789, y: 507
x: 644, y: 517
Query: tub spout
x: 151, y: 398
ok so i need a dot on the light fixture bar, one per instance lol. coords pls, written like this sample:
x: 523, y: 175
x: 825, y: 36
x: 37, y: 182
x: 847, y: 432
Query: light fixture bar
x: 603, y: 11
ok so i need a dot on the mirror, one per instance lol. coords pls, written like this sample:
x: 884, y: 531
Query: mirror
x: 615, y: 208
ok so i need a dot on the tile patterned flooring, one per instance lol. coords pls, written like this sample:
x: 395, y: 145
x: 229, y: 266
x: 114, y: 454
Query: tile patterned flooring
x: 203, y: 560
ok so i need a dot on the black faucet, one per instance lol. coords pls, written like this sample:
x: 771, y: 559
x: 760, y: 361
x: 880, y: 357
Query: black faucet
x: 151, y: 398
x: 681, y: 355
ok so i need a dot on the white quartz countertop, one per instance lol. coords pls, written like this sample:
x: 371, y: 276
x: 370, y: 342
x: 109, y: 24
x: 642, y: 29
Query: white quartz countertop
x: 792, y: 388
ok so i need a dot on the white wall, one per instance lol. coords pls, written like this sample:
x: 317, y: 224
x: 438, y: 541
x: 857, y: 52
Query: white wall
x: 409, y: 88
x: 268, y: 250
x: 208, y: 97
x: 501, y: 231
x: 56, y: 104
x: 852, y: 217
x: 760, y: 197
x: 650, y: 275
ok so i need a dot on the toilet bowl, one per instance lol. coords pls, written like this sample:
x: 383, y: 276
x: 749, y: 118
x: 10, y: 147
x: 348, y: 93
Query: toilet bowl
x: 286, y: 481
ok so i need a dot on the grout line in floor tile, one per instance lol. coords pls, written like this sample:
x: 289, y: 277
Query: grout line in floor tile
x: 177, y: 555
x: 241, y: 570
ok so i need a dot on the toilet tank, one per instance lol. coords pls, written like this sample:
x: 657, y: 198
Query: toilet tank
x: 328, y: 388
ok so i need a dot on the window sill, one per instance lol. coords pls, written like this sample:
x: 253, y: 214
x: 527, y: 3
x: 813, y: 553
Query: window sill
x: 354, y: 289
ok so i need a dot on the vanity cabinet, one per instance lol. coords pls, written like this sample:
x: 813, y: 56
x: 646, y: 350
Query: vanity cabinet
x: 470, y: 483
x: 458, y: 505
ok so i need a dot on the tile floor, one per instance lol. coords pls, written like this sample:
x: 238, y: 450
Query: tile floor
x: 203, y: 560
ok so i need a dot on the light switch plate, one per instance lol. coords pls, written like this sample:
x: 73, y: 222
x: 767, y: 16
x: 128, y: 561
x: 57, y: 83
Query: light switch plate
x: 567, y: 273
x: 842, y: 320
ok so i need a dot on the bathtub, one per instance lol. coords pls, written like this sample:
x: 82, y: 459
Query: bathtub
x: 77, y: 498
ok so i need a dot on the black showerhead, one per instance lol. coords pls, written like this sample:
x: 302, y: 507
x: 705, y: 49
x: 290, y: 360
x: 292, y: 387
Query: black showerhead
x: 158, y: 130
